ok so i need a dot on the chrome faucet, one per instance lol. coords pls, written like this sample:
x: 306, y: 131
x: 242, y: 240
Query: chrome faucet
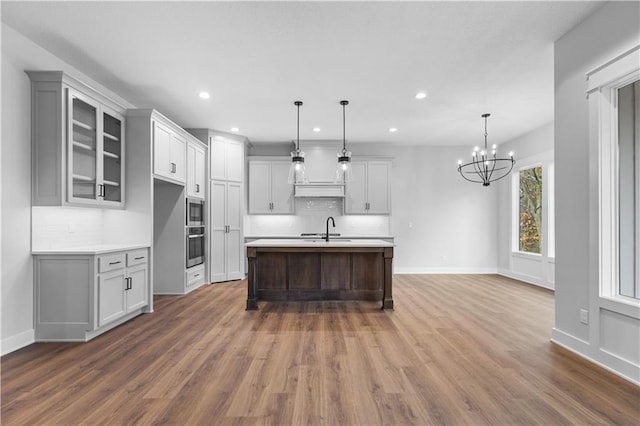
x: 326, y: 236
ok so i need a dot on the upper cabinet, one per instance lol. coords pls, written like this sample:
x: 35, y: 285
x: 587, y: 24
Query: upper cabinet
x: 169, y: 150
x: 226, y: 154
x: 227, y: 159
x: 369, y: 190
x: 196, y: 163
x: 269, y: 192
x: 78, y: 144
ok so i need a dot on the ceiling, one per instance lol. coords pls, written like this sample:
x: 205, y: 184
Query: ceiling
x: 257, y: 58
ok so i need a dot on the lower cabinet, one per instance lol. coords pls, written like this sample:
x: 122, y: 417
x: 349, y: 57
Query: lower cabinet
x: 79, y: 296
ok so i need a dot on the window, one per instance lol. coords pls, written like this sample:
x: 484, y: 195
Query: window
x: 530, y: 210
x: 628, y: 188
x: 614, y: 131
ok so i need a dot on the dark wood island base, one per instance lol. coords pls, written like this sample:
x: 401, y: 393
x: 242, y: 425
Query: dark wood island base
x: 319, y: 272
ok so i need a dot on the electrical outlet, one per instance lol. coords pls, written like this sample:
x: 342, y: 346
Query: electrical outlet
x: 584, y: 316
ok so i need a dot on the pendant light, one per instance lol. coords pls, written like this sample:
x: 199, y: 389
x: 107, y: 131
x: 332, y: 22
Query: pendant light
x: 485, y: 168
x: 344, y: 172
x: 297, y: 171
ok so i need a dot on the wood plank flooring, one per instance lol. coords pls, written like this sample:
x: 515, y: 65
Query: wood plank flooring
x: 457, y: 349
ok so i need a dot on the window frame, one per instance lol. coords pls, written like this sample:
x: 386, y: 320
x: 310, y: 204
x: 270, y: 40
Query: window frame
x: 602, y: 92
x: 548, y: 220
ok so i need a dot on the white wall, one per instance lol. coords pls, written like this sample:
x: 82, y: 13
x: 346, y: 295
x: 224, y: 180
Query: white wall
x: 610, y: 31
x: 531, y: 149
x: 441, y: 223
x: 20, y: 54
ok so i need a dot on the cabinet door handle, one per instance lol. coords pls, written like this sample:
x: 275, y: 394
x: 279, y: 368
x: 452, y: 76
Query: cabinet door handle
x: 115, y: 263
x: 138, y: 258
x: 197, y: 187
x: 173, y: 167
x: 196, y: 275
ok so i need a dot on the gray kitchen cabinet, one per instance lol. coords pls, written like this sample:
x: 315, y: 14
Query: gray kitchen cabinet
x: 369, y: 192
x: 81, y: 294
x: 269, y: 191
x: 78, y: 143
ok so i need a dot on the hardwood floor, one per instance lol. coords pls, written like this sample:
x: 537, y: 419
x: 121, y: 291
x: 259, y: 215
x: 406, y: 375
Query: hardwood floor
x: 457, y: 349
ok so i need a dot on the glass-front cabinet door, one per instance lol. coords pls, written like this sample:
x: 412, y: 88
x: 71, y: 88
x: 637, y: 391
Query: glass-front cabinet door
x: 83, y: 149
x: 96, y: 151
x: 112, y: 155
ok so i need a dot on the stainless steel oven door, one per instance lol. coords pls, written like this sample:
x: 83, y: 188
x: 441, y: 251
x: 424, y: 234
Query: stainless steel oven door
x: 195, y: 212
x: 195, y: 246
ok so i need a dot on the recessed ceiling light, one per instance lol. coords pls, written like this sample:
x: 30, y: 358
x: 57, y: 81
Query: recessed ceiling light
x: 393, y: 129
x: 421, y: 95
x: 235, y: 129
x: 204, y: 95
x: 316, y: 129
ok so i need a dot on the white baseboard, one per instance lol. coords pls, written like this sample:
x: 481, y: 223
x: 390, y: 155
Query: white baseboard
x: 18, y: 341
x: 525, y: 278
x: 582, y: 348
x: 445, y: 271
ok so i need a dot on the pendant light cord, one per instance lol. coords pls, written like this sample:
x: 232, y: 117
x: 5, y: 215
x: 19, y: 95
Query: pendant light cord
x: 344, y: 138
x: 298, y: 103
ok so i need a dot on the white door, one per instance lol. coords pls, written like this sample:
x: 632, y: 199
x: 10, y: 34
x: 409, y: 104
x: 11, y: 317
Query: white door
x: 378, y: 187
x: 111, y: 296
x: 191, y: 170
x: 137, y: 294
x: 281, y: 190
x: 217, y: 159
x: 235, y: 161
x: 161, y: 150
x: 259, y: 187
x: 178, y: 160
x: 200, y: 164
x: 217, y: 234
x: 234, y: 246
x: 356, y: 189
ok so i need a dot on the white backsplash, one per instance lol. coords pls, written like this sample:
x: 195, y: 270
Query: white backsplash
x: 311, y: 216
x: 62, y: 227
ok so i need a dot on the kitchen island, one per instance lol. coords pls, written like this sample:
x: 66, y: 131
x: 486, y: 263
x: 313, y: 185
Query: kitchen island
x: 314, y: 269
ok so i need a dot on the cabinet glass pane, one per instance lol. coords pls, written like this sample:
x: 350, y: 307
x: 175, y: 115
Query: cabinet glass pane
x: 111, y: 157
x: 84, y: 143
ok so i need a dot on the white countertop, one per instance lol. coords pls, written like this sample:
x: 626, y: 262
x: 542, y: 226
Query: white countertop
x: 318, y: 242
x: 300, y: 237
x: 90, y: 250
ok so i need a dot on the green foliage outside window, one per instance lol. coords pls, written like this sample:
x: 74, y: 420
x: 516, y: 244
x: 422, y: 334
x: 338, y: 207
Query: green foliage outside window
x: 530, y: 209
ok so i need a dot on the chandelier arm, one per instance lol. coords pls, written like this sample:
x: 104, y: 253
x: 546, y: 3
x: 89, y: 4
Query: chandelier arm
x: 470, y: 180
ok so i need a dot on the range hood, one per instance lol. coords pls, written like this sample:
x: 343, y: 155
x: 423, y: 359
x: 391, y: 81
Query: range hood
x: 321, y: 162
x: 319, y: 190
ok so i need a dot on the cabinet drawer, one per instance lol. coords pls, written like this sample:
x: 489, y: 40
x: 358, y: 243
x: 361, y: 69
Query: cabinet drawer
x: 195, y: 276
x: 111, y: 262
x: 137, y: 257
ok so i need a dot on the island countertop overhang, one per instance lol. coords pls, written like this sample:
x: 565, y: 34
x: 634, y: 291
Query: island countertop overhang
x: 318, y: 243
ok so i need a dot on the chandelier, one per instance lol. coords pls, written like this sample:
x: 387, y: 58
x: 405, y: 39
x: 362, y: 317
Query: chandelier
x: 344, y: 171
x: 486, y: 167
x: 297, y: 171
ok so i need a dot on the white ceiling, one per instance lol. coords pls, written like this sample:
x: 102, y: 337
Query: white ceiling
x: 257, y: 58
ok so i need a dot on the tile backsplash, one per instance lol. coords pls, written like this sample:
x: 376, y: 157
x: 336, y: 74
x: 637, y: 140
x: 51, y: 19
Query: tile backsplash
x: 311, y: 216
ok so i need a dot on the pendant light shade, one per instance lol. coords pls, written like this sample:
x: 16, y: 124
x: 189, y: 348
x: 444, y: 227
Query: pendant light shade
x: 485, y: 166
x: 297, y: 171
x: 344, y: 172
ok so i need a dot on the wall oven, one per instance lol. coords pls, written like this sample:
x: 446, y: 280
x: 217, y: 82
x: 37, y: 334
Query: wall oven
x: 195, y: 212
x: 195, y: 246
